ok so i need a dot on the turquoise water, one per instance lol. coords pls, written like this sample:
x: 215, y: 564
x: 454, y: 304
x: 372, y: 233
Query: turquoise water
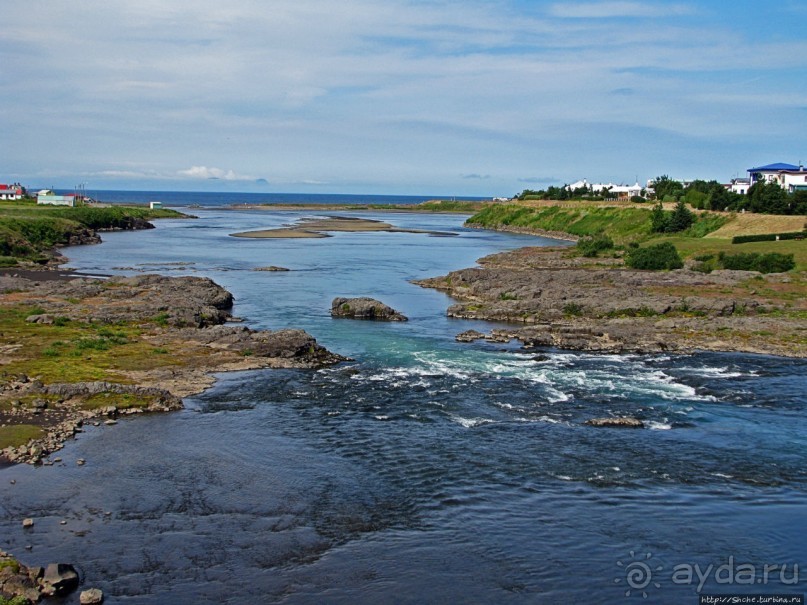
x: 426, y: 470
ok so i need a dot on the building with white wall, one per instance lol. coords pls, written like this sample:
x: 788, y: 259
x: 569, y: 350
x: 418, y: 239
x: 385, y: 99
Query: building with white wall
x: 788, y: 176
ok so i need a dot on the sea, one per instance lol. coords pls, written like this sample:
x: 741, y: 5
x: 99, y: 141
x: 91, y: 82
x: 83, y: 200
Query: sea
x: 426, y: 470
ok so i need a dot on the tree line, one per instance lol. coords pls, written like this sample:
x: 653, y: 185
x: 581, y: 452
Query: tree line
x: 766, y: 198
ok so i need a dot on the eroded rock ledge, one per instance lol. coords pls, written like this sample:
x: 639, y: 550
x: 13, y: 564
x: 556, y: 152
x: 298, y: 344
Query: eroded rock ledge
x: 171, y: 336
x: 598, y: 305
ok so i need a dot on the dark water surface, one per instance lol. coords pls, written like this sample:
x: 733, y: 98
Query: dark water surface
x: 426, y: 471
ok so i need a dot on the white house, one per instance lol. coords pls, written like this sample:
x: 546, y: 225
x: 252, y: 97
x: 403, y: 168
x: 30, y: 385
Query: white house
x: 740, y: 186
x: 788, y: 176
x: 622, y: 192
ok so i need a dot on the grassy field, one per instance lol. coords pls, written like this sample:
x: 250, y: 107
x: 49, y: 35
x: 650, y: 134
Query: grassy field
x: 691, y: 247
x: 757, y: 224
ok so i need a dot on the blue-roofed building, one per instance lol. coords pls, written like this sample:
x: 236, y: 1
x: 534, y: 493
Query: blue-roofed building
x: 788, y: 176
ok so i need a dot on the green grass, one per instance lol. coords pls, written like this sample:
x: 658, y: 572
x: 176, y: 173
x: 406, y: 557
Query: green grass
x: 75, y: 351
x: 692, y: 247
x: 119, y: 400
x: 18, y: 434
x: 620, y: 224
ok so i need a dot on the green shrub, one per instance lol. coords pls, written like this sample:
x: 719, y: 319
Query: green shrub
x: 572, y: 309
x: 658, y: 257
x: 772, y: 262
x: 591, y: 246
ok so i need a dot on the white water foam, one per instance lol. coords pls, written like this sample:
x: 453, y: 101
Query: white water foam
x: 469, y: 423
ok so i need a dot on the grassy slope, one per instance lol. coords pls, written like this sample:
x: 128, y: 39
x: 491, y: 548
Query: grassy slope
x: 28, y: 231
x: 621, y: 224
x: 711, y: 233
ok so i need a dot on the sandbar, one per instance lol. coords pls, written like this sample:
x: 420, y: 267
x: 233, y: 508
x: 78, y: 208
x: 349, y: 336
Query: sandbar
x: 319, y: 227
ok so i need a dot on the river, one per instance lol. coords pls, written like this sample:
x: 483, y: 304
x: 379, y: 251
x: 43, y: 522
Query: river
x: 427, y: 470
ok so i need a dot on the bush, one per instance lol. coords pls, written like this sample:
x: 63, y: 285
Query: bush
x: 591, y: 246
x: 659, y: 257
x: 773, y: 262
x: 767, y: 237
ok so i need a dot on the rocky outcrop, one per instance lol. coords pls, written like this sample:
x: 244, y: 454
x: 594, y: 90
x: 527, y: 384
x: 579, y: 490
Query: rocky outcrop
x: 179, y: 301
x: 469, y: 336
x: 364, y: 308
x: 571, y: 302
x: 33, y: 583
x: 181, y: 319
x: 287, y: 348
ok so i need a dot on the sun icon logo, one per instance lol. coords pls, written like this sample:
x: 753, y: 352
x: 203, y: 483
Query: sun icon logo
x: 638, y: 574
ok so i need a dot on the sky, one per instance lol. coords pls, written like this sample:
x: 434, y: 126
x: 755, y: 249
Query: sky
x: 412, y: 97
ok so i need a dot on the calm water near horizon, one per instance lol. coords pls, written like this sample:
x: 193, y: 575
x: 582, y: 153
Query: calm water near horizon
x: 216, y: 198
x: 427, y: 471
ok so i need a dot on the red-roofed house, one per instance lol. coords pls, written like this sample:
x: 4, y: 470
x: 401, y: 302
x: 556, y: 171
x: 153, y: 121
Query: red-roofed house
x: 10, y: 192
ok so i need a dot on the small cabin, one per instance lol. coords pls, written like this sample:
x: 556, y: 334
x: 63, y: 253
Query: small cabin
x: 48, y: 197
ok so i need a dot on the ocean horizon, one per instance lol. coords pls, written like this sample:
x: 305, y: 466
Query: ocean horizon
x: 229, y: 198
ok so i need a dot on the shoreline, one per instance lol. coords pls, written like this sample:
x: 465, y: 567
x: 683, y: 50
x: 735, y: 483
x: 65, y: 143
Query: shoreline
x: 561, y: 235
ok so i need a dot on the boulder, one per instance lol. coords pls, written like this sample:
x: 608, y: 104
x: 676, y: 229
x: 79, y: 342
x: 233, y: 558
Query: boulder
x: 92, y: 596
x: 620, y: 422
x: 59, y: 579
x: 364, y: 308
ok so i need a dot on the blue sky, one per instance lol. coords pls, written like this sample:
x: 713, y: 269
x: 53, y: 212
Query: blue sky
x: 394, y: 96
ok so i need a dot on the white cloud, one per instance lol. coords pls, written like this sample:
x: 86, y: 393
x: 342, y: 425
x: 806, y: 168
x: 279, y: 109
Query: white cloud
x: 399, y: 91
x: 203, y: 172
x: 602, y: 10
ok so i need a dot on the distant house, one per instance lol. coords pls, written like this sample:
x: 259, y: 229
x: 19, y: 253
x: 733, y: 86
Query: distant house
x: 621, y: 192
x: 10, y: 192
x: 740, y: 186
x: 788, y: 176
x: 48, y: 197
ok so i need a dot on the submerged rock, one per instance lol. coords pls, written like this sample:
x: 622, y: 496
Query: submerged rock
x: 271, y: 268
x: 364, y: 308
x: 621, y: 422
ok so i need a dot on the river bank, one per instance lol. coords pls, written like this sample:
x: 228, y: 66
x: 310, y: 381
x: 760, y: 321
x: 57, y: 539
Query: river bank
x: 578, y: 303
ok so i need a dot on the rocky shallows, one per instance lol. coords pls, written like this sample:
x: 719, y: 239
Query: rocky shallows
x: 75, y: 351
x: 364, y: 308
x: 566, y: 301
x: 22, y: 584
